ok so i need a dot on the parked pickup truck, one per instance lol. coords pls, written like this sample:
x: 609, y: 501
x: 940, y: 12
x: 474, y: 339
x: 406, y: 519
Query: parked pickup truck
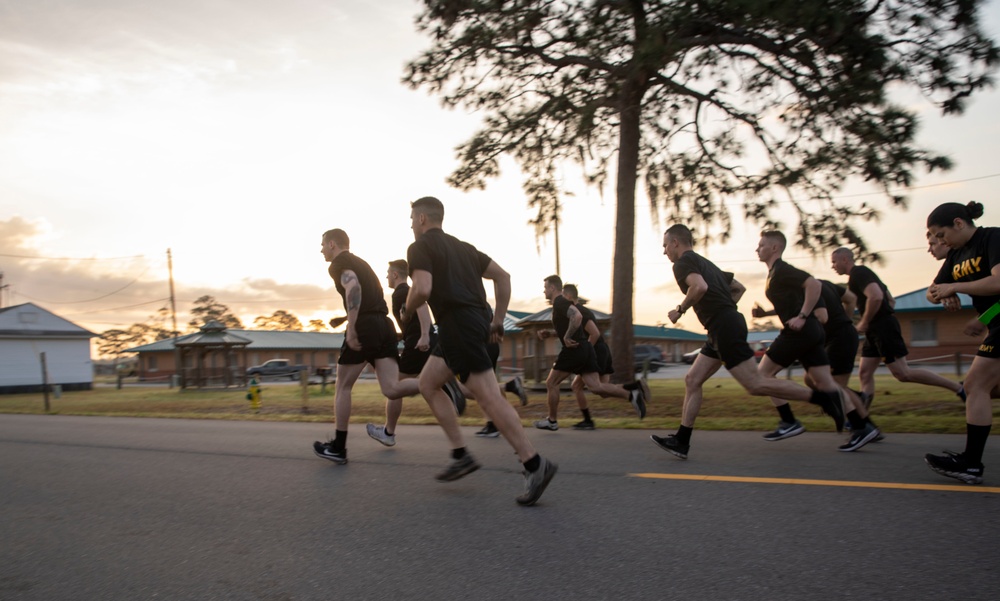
x: 277, y: 367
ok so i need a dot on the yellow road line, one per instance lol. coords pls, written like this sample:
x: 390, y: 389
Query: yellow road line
x: 893, y: 485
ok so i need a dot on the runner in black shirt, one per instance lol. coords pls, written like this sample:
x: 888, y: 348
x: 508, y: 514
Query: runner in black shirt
x: 971, y: 267
x: 370, y: 338
x: 602, y: 352
x: 883, y: 337
x: 448, y: 275
x: 713, y: 295
x: 577, y: 356
x: 796, y: 295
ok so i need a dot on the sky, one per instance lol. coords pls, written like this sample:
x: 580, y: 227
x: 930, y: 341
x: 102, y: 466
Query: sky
x: 235, y: 133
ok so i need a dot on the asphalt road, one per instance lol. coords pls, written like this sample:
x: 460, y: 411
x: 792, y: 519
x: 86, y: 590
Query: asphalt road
x: 122, y: 508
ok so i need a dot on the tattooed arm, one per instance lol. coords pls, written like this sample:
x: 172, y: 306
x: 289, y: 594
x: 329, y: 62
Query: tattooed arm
x: 352, y: 301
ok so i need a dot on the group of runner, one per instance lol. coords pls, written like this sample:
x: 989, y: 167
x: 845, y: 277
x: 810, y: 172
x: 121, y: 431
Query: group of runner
x: 819, y: 333
x: 447, y: 277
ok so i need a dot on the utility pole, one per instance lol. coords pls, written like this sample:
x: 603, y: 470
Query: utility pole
x: 555, y: 228
x: 3, y: 287
x: 173, y: 306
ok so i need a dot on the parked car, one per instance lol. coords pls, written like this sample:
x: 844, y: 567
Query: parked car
x: 648, y: 356
x: 277, y: 367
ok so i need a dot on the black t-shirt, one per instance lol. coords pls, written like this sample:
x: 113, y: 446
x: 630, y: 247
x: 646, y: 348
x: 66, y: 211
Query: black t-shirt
x: 717, y: 298
x: 588, y: 315
x: 832, y: 296
x: 411, y: 332
x: 972, y: 262
x: 784, y: 289
x: 457, y: 268
x: 560, y: 319
x: 858, y: 280
x: 372, y: 300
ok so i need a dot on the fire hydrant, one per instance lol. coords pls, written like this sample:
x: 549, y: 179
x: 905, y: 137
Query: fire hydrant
x: 254, y: 395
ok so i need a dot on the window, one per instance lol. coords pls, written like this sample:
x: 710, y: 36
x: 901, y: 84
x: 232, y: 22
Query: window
x: 923, y: 332
x: 151, y: 363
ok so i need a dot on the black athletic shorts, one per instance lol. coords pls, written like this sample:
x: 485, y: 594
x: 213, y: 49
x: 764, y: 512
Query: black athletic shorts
x: 727, y: 339
x: 807, y: 346
x: 603, y: 353
x: 884, y: 339
x: 377, y: 337
x: 842, y: 349
x: 412, y: 360
x: 492, y: 349
x: 577, y: 360
x: 463, y: 341
x: 990, y: 348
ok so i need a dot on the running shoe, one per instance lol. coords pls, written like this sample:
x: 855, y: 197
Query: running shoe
x: 785, y: 430
x: 545, y: 424
x: 517, y: 387
x: 458, y: 468
x: 638, y: 400
x: 961, y: 392
x: 860, y: 438
x: 671, y: 445
x: 455, y: 394
x: 584, y: 425
x: 325, y: 450
x: 646, y: 395
x: 954, y: 465
x: 535, y: 482
x: 488, y: 431
x: 378, y: 433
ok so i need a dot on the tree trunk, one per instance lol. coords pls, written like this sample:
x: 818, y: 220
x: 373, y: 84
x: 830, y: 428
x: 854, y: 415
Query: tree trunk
x: 623, y: 273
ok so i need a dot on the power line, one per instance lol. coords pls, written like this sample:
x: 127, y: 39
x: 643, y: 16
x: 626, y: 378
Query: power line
x: 159, y: 300
x: 51, y: 302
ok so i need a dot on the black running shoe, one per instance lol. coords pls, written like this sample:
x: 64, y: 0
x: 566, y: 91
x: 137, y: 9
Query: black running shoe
x: 488, y: 431
x: 638, y: 402
x: 961, y: 392
x: 860, y: 438
x: 536, y: 482
x: 325, y: 450
x: 517, y: 387
x: 785, y: 430
x: 458, y: 468
x: 584, y: 425
x: 671, y: 445
x: 954, y: 465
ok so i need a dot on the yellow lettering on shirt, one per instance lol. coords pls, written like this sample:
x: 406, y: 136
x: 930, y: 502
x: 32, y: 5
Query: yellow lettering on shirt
x: 966, y: 267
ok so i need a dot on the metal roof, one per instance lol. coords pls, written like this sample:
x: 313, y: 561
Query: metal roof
x: 30, y: 320
x: 917, y: 301
x: 260, y: 340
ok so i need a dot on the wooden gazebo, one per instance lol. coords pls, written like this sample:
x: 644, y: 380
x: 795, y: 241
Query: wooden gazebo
x: 207, y: 359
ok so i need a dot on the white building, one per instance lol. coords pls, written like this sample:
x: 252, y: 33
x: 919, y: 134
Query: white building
x: 27, y: 331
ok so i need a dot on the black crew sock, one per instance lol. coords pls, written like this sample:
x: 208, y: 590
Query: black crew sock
x: 458, y: 453
x: 785, y: 413
x: 491, y: 426
x: 631, y: 385
x: 509, y: 386
x: 339, y: 441
x: 586, y: 415
x: 534, y: 463
x: 857, y: 422
x: 975, y: 442
x: 683, y: 435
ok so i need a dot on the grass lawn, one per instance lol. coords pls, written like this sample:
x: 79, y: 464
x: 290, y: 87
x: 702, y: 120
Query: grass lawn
x: 897, y: 407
